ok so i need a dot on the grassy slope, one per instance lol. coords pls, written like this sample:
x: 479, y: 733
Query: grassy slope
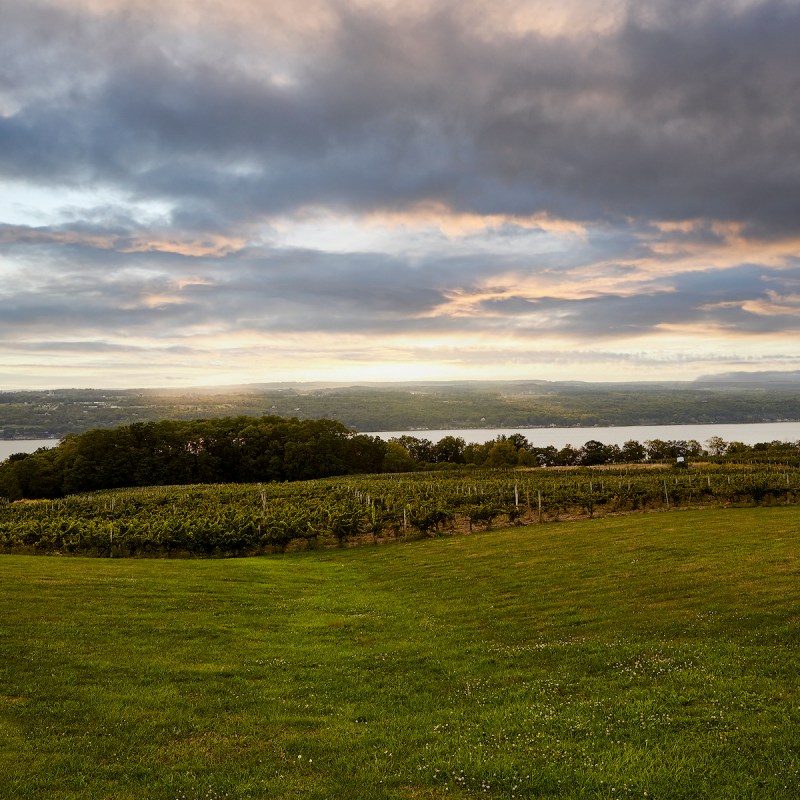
x: 654, y: 655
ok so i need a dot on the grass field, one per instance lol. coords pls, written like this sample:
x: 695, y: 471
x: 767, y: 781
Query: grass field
x: 653, y: 656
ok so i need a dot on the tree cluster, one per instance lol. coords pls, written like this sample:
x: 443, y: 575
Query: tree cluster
x: 516, y: 451
x: 225, y: 450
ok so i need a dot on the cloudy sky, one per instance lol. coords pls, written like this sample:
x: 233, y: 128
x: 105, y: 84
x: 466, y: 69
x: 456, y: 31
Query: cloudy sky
x: 206, y: 192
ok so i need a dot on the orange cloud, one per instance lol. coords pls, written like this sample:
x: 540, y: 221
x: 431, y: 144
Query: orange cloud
x: 459, y: 223
x: 208, y: 245
x: 732, y: 246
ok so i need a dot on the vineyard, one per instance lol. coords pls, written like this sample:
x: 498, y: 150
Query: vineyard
x: 250, y: 519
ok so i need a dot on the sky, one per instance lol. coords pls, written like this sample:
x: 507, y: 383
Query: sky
x: 207, y: 193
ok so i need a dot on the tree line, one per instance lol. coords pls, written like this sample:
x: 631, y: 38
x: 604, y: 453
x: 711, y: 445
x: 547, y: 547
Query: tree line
x: 405, y: 453
x: 273, y: 449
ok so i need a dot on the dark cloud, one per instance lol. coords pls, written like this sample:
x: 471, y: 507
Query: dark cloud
x: 670, y: 115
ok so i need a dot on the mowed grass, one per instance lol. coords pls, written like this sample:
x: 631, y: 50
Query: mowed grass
x: 643, y: 656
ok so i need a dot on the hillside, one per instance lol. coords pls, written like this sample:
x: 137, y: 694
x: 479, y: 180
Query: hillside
x: 648, y: 656
x: 380, y: 407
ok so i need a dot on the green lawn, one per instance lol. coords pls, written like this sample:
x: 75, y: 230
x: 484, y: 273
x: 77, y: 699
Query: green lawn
x: 653, y: 655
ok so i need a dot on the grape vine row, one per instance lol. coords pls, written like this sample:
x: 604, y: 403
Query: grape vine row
x: 249, y: 519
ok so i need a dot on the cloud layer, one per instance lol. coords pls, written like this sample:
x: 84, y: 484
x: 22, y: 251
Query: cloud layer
x: 199, y: 193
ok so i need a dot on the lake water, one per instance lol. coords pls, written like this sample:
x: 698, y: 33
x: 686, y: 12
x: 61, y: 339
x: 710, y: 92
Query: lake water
x: 10, y: 446
x: 558, y: 437
x: 577, y: 437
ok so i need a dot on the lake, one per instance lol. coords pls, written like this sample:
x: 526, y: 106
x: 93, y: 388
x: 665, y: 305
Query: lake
x: 558, y: 437
x: 10, y: 446
x: 751, y: 433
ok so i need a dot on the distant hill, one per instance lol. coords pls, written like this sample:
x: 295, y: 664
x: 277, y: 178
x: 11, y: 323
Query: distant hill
x: 415, y: 406
x: 766, y: 379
